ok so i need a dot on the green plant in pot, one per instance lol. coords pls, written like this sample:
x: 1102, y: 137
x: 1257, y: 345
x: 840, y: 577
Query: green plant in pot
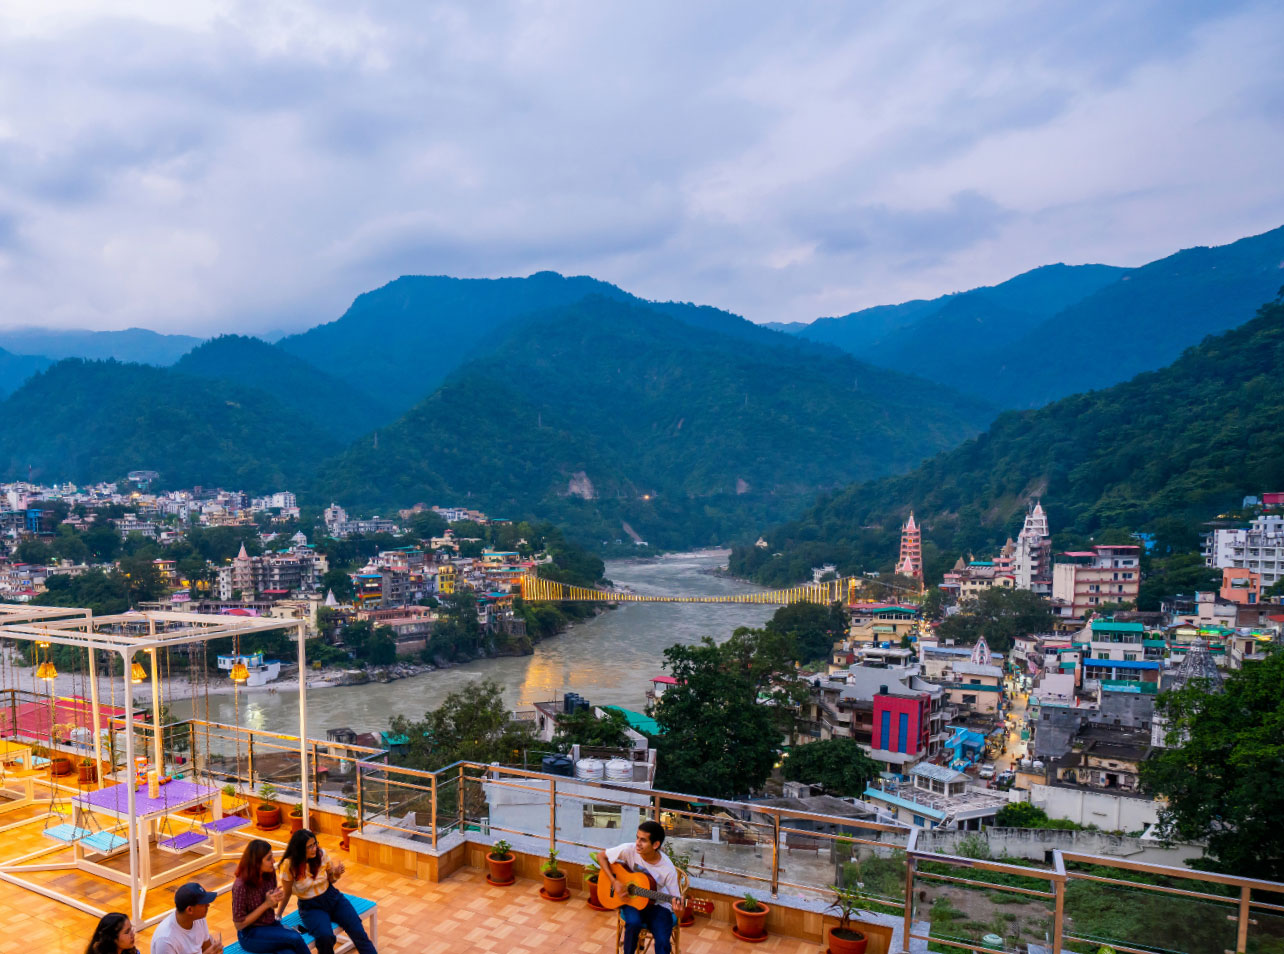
x: 591, y: 874
x: 87, y: 770
x: 268, y: 815
x: 751, y: 918
x: 554, y: 877
x: 349, y: 825
x: 296, y: 817
x: 845, y: 939
x: 499, y: 863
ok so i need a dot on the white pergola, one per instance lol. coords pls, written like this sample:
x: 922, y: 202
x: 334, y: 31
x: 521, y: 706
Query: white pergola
x: 124, y: 634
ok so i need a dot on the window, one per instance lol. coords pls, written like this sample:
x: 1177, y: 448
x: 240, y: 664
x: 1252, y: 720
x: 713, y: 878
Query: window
x: 602, y: 816
x: 969, y: 698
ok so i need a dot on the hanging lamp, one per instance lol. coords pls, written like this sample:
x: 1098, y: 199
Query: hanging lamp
x: 137, y: 674
x: 47, y: 671
x: 240, y: 672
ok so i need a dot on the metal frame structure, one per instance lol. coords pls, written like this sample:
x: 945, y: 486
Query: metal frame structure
x: 130, y: 634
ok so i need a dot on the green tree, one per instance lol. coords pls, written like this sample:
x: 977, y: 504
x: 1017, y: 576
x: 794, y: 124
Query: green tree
x: 582, y: 727
x: 103, y: 542
x: 69, y: 546
x: 720, y: 730
x: 338, y: 582
x: 34, y: 551
x: 471, y: 724
x: 1221, y: 775
x: 815, y: 628
x: 1025, y: 815
x: 381, y: 648
x: 1000, y: 615
x: 428, y: 524
x: 839, y: 766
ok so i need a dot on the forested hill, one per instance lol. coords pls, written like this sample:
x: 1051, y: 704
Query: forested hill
x: 1060, y: 329
x: 331, y: 405
x: 1185, y: 441
x: 683, y: 433
x: 16, y: 368
x: 97, y: 420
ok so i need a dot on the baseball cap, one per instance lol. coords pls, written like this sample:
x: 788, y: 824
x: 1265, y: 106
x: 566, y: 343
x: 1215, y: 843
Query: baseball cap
x: 192, y: 893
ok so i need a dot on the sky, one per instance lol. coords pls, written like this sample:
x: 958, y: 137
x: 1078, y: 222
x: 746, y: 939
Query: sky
x: 205, y: 166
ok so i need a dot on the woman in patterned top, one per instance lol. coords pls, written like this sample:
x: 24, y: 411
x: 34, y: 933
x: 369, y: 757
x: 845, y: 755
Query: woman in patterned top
x: 254, y: 900
x: 308, y: 873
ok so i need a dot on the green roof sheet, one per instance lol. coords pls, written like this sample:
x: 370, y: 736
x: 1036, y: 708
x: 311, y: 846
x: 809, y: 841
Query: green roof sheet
x: 1110, y: 626
x: 638, y: 721
x: 1154, y: 643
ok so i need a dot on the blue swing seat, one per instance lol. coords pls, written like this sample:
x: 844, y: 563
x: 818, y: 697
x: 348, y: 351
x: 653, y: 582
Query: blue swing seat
x: 103, y: 842
x: 66, y: 833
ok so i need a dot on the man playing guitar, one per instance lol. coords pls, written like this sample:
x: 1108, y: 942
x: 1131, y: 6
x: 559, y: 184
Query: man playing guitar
x: 643, y: 854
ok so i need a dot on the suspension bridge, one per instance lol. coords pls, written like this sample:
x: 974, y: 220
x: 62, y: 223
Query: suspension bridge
x: 538, y: 590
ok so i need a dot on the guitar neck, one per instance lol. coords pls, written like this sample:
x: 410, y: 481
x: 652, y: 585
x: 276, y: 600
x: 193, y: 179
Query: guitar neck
x: 649, y: 894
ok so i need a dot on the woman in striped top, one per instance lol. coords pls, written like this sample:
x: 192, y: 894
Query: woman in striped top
x: 308, y: 873
x: 254, y: 900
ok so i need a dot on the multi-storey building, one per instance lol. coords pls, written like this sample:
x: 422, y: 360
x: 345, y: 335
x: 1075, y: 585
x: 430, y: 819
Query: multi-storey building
x: 1086, y: 579
x: 1032, y: 562
x: 1111, y: 640
x: 276, y: 574
x: 1259, y: 547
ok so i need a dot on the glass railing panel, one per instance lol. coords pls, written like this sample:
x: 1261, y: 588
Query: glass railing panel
x: 1266, y: 928
x: 982, y: 909
x: 1142, y: 917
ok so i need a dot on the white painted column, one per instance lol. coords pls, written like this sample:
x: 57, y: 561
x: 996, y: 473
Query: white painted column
x: 303, y: 725
x: 135, y: 894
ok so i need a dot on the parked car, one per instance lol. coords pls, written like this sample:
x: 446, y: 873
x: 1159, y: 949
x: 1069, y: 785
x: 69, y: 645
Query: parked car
x: 987, y: 770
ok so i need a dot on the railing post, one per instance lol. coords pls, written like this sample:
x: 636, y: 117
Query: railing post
x: 908, y: 926
x: 552, y: 815
x: 191, y: 747
x: 775, y: 853
x: 434, y: 810
x: 1241, y: 934
x: 361, y: 807
x: 249, y: 781
x: 655, y: 808
x: 316, y: 773
x: 459, y: 797
x: 1058, y: 916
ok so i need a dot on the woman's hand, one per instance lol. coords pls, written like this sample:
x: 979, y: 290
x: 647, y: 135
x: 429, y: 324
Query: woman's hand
x: 276, y: 896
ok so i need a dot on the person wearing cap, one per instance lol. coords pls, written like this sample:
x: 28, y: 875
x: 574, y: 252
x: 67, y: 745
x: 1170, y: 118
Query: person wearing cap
x: 184, y: 930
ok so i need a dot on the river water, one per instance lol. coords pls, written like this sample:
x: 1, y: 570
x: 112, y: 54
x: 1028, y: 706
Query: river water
x: 609, y: 659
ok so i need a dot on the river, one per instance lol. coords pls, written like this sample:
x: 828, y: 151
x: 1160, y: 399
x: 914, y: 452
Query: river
x: 609, y: 659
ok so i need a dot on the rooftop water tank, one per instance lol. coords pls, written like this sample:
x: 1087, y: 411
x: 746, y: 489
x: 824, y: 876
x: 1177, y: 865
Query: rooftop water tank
x: 619, y: 770
x: 556, y: 765
x: 590, y: 769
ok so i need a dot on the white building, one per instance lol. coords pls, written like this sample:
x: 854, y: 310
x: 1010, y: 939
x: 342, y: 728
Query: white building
x: 1259, y: 547
x: 1032, y: 562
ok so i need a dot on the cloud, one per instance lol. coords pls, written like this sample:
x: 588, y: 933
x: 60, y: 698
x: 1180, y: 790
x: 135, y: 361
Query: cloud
x: 223, y: 165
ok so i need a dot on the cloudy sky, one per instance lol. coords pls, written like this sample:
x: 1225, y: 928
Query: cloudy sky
x: 206, y: 166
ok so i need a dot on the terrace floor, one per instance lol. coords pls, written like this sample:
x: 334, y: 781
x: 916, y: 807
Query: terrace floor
x: 462, y: 913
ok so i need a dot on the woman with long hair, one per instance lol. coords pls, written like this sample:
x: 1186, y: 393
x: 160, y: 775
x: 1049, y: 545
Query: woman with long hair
x: 308, y: 873
x: 113, y: 935
x: 255, y: 896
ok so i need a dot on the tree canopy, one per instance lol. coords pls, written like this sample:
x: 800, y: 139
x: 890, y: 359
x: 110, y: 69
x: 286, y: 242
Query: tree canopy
x: 1221, y: 774
x: 839, y: 766
x: 471, y: 724
x: 1000, y: 615
x: 582, y: 727
x: 815, y: 628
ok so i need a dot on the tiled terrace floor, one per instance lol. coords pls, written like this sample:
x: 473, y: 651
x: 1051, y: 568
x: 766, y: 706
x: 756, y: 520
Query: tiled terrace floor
x: 462, y: 913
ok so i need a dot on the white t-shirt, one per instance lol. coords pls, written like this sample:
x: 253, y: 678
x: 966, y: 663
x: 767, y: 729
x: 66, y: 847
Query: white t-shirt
x: 172, y: 938
x: 665, y: 875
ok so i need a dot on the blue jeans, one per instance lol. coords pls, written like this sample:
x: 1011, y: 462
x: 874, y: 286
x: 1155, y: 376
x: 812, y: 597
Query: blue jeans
x: 271, y: 939
x: 656, y: 919
x: 318, y: 913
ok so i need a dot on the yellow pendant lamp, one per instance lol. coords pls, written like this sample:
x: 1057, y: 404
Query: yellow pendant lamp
x: 240, y: 672
x: 137, y: 674
x: 47, y: 671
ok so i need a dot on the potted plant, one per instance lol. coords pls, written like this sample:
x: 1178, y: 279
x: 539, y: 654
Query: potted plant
x: 296, y: 817
x: 845, y: 939
x: 682, y: 861
x: 500, y: 864
x: 554, y: 879
x: 349, y: 825
x: 751, y: 919
x: 268, y: 815
x: 591, y: 873
x: 87, y: 771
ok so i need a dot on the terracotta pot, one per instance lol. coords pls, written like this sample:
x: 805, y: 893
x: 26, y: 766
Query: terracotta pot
x: 296, y: 822
x: 501, y: 869
x: 847, y: 941
x: 268, y: 817
x: 590, y: 886
x: 686, y: 915
x: 345, y: 830
x: 59, y: 766
x: 751, y: 923
x: 87, y: 773
x: 555, y: 885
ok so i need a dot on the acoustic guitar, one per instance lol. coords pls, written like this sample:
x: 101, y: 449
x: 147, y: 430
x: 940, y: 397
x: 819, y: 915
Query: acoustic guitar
x: 639, y: 891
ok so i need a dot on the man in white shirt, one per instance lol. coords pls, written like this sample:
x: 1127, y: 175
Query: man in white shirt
x: 184, y: 931
x: 644, y: 854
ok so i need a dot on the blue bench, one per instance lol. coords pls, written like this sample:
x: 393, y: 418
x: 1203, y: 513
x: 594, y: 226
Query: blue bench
x: 367, y: 910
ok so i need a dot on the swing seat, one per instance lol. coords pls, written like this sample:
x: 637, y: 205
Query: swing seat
x: 183, y: 841
x: 66, y: 833
x: 226, y: 823
x: 103, y: 842
x: 39, y: 761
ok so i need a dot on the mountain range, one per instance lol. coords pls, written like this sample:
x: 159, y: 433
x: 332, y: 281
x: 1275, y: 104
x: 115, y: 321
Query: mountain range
x: 1180, y: 443
x: 569, y: 398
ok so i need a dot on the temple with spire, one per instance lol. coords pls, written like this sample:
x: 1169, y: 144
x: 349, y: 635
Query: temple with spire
x: 910, y: 562
x: 1032, y: 556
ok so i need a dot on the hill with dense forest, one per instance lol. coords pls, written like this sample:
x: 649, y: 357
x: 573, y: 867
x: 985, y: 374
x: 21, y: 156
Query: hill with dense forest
x: 16, y: 368
x: 330, y: 404
x: 96, y: 420
x: 1059, y: 330
x: 608, y: 412
x: 138, y: 345
x: 1185, y: 441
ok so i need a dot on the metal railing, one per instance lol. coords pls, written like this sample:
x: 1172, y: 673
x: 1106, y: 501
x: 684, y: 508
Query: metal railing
x: 968, y: 901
